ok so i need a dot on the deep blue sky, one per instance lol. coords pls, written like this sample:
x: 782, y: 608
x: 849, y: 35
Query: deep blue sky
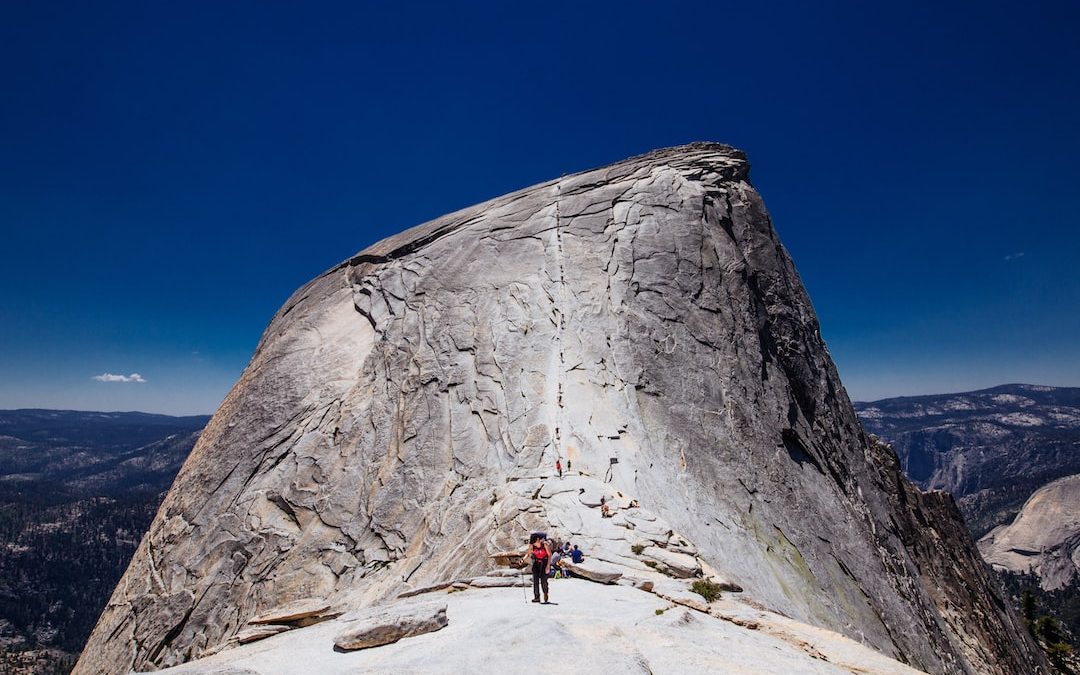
x: 171, y: 172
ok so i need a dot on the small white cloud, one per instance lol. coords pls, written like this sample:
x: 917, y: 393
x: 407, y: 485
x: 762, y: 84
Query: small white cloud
x: 1014, y: 256
x: 109, y: 377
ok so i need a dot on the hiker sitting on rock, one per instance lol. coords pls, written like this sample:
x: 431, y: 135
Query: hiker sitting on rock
x: 540, y: 555
x: 576, y: 555
x: 556, y: 563
x: 605, y: 510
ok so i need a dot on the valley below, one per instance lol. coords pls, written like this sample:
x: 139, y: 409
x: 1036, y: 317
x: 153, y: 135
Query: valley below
x: 77, y: 492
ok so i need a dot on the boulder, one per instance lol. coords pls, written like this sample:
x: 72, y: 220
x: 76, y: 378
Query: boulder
x: 594, y: 571
x: 390, y: 624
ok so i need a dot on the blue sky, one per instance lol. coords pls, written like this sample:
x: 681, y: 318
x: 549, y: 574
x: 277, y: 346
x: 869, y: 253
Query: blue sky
x: 171, y: 172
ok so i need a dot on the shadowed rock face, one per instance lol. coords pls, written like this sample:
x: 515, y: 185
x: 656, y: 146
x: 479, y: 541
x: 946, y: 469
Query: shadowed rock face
x: 401, y: 418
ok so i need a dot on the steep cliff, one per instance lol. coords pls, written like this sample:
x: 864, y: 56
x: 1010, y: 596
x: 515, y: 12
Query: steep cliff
x: 403, y: 412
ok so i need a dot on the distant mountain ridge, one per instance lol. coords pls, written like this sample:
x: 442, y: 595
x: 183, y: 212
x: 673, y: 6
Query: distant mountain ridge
x: 48, y: 452
x: 992, y: 448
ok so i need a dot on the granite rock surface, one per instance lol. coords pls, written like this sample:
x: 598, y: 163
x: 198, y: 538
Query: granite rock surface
x: 400, y: 421
x: 1044, y: 538
x: 597, y: 628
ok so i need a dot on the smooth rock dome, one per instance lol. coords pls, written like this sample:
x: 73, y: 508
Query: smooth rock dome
x: 402, y: 415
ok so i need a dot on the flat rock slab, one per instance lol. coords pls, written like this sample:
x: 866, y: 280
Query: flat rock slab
x: 669, y: 562
x: 496, y: 582
x: 593, y: 571
x: 294, y: 612
x: 212, y: 669
x: 255, y: 633
x: 680, y: 594
x: 392, y: 624
x: 601, y: 629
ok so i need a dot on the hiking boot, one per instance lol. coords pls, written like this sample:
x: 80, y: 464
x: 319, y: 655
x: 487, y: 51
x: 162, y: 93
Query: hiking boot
x: 536, y: 599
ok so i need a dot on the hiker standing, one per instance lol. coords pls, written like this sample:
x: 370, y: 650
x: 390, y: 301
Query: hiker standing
x: 558, y: 467
x: 541, y: 564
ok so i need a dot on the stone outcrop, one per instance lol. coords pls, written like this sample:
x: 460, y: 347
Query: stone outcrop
x: 377, y: 628
x: 400, y: 421
x: 300, y: 612
x: 600, y: 574
x: 256, y: 633
x: 1044, y: 538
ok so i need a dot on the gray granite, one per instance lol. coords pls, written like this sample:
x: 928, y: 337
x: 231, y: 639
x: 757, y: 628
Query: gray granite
x: 401, y: 418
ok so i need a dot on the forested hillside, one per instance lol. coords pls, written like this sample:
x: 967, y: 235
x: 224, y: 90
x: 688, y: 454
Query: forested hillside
x: 77, y: 491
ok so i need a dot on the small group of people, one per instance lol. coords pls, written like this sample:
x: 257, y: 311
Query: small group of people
x: 605, y: 508
x: 548, y: 561
x: 562, y: 553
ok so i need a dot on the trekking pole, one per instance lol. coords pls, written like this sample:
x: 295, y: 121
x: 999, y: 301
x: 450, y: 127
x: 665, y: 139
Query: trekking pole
x: 523, y: 591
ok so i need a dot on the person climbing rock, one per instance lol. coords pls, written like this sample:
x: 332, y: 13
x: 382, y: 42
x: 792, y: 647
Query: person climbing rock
x: 558, y: 467
x: 540, y: 555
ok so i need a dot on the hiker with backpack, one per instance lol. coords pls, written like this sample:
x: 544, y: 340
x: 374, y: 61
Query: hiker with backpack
x: 540, y: 555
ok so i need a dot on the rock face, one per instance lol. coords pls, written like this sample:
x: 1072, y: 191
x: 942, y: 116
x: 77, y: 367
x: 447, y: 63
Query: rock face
x: 402, y: 415
x: 1044, y: 538
x: 991, y: 448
